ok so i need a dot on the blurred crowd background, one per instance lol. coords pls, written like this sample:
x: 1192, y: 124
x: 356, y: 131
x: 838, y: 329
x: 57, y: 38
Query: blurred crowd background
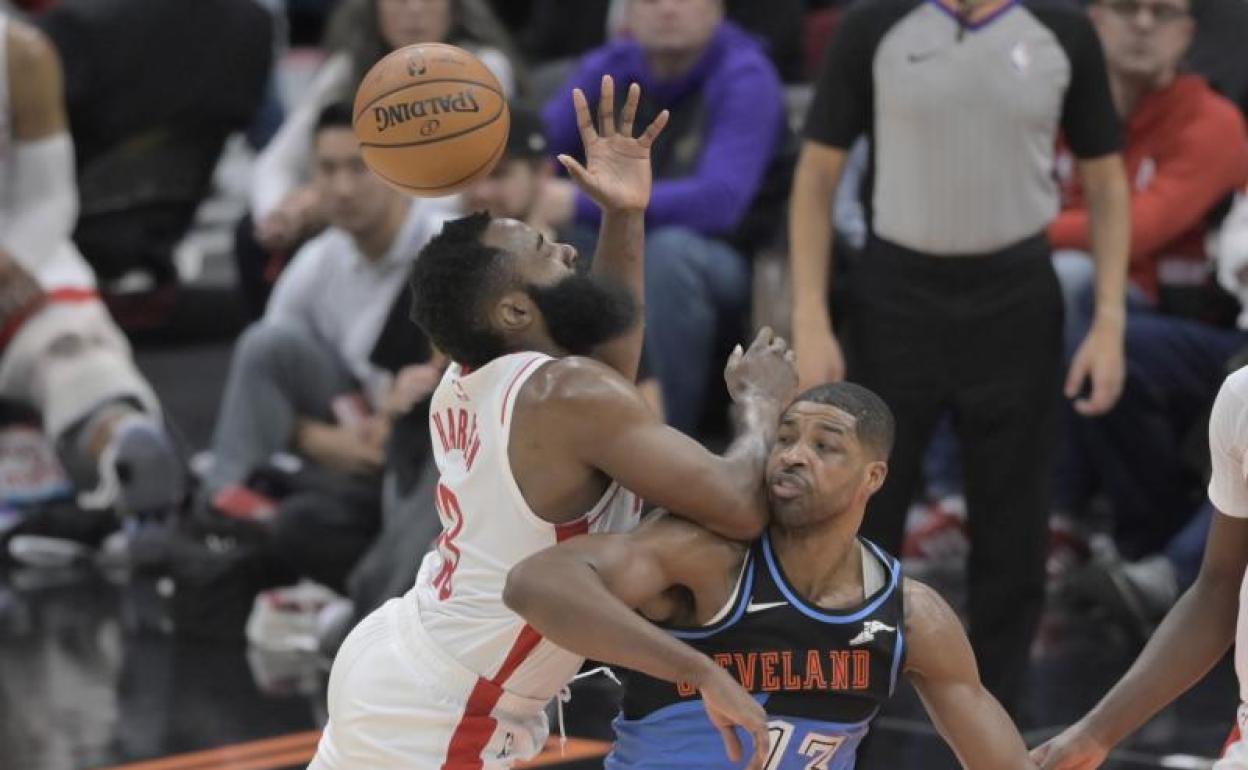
x: 215, y: 191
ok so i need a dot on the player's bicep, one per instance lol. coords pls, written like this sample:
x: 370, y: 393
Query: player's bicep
x: 671, y: 470
x: 36, y: 84
x: 941, y: 666
x: 635, y: 567
x: 601, y: 420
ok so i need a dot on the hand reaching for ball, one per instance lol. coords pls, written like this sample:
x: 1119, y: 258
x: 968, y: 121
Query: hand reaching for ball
x: 616, y: 173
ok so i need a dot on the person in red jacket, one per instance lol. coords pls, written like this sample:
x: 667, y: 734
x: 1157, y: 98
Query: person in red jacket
x: 1186, y: 152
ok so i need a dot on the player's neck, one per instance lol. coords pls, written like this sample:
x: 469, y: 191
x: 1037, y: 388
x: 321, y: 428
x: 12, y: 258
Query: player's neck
x: 824, y: 565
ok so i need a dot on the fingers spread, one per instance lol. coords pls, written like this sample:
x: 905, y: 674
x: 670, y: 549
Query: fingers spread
x: 630, y: 110
x: 606, y: 107
x: 584, y: 121
x: 575, y: 169
x: 654, y: 129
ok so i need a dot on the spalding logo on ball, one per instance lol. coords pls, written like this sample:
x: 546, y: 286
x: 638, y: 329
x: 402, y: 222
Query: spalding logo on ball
x: 431, y: 119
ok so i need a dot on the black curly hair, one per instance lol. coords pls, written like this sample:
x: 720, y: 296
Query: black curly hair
x: 452, y: 280
x: 875, y: 425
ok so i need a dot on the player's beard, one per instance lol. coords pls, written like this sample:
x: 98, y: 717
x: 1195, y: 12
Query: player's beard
x: 584, y: 311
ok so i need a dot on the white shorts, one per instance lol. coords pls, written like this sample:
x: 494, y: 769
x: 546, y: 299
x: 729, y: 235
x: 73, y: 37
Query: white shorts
x: 397, y: 700
x: 1235, y: 754
x: 69, y: 358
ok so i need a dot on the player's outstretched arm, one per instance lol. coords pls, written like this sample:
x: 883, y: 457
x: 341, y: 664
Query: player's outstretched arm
x: 1193, y: 637
x: 941, y: 665
x: 602, y: 421
x: 617, y: 176
x: 581, y: 595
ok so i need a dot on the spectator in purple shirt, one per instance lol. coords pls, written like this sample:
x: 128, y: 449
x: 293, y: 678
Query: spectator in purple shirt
x: 710, y: 166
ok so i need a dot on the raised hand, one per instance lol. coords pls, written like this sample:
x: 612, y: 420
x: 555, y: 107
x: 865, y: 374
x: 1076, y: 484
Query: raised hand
x: 616, y: 173
x: 765, y: 370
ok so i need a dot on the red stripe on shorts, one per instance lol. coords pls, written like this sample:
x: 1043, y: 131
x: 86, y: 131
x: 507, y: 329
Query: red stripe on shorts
x: 477, y: 725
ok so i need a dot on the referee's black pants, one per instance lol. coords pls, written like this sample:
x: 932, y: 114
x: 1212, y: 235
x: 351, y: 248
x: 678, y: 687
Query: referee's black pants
x: 981, y: 337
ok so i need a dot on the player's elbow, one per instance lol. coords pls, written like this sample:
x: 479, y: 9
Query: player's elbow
x: 523, y: 590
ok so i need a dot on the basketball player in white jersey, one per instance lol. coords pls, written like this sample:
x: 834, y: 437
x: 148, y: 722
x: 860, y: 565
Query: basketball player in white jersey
x: 60, y: 351
x: 540, y: 435
x: 1199, y: 628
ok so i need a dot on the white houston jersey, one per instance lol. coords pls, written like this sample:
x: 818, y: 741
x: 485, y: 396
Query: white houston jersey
x: 487, y: 528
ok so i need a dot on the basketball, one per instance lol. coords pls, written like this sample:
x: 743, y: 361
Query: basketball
x: 431, y: 119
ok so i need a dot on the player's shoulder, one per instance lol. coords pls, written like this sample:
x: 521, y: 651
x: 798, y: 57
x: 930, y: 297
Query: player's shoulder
x: 926, y: 611
x: 578, y: 382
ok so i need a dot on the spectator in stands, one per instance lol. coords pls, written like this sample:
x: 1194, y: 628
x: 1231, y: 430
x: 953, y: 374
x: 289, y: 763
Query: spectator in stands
x: 722, y: 144
x: 516, y: 186
x: 954, y: 307
x: 1186, y: 152
x: 149, y: 126
x: 306, y: 376
x: 60, y: 351
x: 284, y: 207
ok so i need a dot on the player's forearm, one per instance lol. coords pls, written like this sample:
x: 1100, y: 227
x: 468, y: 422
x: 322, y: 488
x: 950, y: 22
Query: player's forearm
x: 810, y: 241
x: 746, y: 461
x: 565, y: 600
x: 1109, y: 205
x: 621, y: 257
x: 1193, y: 637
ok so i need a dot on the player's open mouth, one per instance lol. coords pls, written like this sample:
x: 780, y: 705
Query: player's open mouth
x: 787, y: 486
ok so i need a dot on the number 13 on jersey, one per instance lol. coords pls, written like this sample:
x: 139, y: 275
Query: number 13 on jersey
x: 813, y: 752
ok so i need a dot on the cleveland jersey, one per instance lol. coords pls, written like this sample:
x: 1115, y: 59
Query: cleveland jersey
x: 821, y: 675
x: 488, y: 528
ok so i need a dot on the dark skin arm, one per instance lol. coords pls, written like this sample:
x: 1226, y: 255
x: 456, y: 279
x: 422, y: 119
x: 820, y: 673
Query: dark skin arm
x: 582, y: 594
x: 941, y: 666
x: 36, y: 84
x: 1196, y: 633
x: 617, y: 177
x: 579, y: 423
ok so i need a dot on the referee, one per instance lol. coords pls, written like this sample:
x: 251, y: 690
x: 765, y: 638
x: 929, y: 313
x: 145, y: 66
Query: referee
x: 955, y: 305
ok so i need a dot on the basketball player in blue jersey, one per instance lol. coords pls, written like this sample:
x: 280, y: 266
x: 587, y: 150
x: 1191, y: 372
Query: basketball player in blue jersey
x: 815, y: 622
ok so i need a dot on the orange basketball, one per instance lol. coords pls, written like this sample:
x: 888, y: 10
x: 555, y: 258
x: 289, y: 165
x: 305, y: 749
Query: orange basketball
x: 431, y: 119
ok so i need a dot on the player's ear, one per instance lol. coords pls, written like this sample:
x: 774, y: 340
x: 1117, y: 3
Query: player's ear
x: 514, y: 312
x: 877, y: 471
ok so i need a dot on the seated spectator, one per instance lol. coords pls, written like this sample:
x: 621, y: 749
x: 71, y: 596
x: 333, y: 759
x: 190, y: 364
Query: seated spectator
x: 149, y: 126
x: 284, y: 208
x: 307, y: 376
x: 713, y: 166
x: 60, y: 351
x: 1187, y: 149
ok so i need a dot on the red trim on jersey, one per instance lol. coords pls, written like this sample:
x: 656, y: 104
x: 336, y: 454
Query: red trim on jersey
x: 572, y: 529
x: 1232, y: 739
x: 10, y: 329
x: 514, y: 380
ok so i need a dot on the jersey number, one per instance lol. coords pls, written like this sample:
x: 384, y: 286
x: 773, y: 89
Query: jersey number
x: 819, y: 748
x: 452, y: 524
